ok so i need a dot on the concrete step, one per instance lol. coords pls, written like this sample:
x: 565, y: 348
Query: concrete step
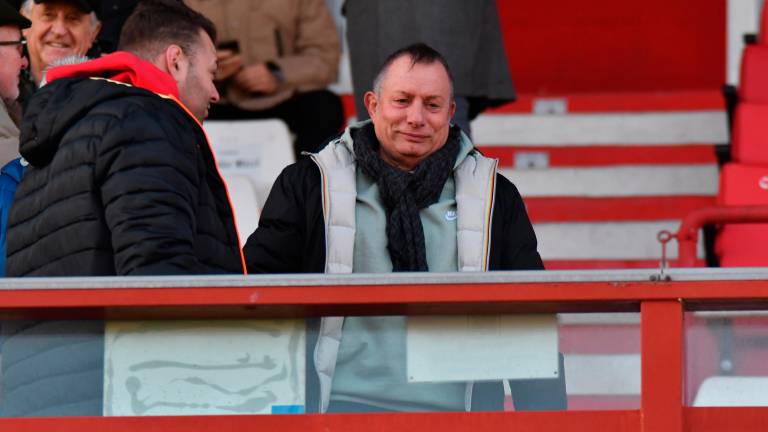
x: 623, y: 181
x: 647, y: 128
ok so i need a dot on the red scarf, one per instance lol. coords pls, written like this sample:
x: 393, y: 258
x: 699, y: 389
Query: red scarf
x: 123, y: 67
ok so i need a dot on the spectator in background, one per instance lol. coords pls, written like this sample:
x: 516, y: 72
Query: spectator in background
x: 276, y: 58
x: 123, y: 182
x: 113, y: 16
x: 405, y: 191
x: 466, y: 33
x: 60, y: 29
x: 12, y: 62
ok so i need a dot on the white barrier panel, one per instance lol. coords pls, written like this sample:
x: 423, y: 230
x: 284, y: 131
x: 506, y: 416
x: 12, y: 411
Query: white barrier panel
x: 732, y: 391
x: 602, y: 374
x: 204, y: 367
x: 479, y: 348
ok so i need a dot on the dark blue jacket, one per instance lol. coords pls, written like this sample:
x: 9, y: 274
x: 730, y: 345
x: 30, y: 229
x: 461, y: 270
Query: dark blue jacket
x: 10, y: 177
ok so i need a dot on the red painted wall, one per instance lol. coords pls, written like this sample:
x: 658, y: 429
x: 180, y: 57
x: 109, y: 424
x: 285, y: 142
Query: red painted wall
x: 574, y: 46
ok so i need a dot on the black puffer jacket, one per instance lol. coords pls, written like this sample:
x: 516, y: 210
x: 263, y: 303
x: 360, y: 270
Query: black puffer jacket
x: 120, y: 182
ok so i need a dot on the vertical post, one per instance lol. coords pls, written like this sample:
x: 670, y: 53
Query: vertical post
x: 687, y: 250
x: 662, y: 366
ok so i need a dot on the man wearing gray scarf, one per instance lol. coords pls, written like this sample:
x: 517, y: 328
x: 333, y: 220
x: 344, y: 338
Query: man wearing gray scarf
x: 403, y: 191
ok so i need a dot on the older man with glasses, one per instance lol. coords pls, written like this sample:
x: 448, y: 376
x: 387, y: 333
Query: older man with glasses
x: 12, y: 62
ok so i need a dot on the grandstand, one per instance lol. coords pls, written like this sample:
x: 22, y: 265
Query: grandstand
x: 621, y: 131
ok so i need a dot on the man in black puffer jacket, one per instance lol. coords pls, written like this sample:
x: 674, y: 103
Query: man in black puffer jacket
x: 121, y: 181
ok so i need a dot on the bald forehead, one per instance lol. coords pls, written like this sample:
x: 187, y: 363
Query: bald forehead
x: 397, y: 75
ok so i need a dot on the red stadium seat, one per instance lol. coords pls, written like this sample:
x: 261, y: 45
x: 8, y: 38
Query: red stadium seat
x: 753, y: 87
x: 743, y: 245
x: 749, y: 143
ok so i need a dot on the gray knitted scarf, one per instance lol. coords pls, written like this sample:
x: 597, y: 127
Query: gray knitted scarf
x: 405, y: 193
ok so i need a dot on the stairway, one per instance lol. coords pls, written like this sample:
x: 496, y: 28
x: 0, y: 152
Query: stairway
x: 602, y: 176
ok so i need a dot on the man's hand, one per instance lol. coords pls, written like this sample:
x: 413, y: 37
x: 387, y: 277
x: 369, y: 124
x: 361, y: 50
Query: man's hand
x: 257, y: 79
x: 230, y: 63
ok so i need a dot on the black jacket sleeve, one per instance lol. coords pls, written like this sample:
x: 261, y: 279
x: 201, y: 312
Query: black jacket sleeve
x: 513, y: 242
x: 291, y: 233
x: 513, y: 247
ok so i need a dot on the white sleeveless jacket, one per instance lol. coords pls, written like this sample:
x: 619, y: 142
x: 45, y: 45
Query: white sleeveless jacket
x: 475, y: 180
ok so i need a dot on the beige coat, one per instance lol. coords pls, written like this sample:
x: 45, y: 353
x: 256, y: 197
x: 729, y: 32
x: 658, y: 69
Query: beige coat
x: 297, y: 35
x: 9, y: 137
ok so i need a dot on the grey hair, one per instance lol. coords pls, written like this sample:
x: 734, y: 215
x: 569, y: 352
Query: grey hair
x: 26, y: 10
x: 71, y: 60
x: 418, y: 53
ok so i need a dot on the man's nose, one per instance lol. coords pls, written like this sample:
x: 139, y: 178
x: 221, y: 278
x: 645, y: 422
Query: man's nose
x: 416, y: 114
x: 59, y: 26
x: 215, y: 95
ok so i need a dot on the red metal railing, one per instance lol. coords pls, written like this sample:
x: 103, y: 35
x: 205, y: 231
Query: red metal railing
x: 661, y: 306
x: 688, y: 234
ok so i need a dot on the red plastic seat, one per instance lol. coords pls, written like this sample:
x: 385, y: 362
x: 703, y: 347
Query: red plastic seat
x: 749, y: 143
x: 743, y: 245
x: 753, y: 87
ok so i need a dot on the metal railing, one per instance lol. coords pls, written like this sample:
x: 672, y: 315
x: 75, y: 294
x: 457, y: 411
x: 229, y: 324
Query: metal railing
x: 661, y: 304
x: 688, y: 234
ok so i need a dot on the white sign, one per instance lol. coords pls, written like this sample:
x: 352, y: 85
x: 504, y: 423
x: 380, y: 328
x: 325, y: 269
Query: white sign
x: 204, y: 367
x: 481, y: 348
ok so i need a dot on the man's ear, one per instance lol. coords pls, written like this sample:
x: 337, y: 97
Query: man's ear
x: 453, y: 109
x: 95, y: 34
x: 176, y: 62
x: 371, y: 102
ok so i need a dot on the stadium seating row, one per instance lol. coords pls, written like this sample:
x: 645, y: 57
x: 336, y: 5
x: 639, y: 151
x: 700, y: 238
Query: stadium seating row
x: 744, y: 180
x: 735, y: 375
x: 250, y: 154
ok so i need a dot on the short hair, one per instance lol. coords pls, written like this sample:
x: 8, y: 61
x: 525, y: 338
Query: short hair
x: 26, y: 10
x: 419, y: 53
x: 155, y: 24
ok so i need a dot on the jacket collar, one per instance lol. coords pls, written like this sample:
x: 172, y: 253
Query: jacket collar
x: 123, y: 67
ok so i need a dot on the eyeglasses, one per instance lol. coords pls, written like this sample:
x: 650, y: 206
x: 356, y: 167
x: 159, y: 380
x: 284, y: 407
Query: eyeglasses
x: 17, y: 43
